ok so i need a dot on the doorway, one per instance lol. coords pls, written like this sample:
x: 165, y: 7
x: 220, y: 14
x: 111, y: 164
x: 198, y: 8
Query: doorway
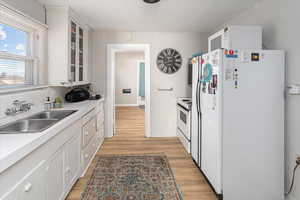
x: 134, y: 97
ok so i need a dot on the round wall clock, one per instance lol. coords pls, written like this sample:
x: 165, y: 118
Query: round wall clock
x: 169, y: 61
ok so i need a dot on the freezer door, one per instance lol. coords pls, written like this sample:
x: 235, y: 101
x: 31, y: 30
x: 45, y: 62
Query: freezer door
x: 210, y: 108
x: 195, y: 137
x: 253, y: 126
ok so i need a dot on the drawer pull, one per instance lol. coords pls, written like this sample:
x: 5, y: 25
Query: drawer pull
x: 27, y: 187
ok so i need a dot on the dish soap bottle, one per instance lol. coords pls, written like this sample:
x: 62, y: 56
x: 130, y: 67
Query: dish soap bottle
x: 58, y: 102
x: 48, y: 104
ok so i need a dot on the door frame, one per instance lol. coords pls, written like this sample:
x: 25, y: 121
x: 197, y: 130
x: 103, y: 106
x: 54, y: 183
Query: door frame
x: 112, y: 49
x: 138, y: 81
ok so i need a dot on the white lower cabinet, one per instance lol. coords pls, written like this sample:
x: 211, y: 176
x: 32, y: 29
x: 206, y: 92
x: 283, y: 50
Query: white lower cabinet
x: 100, y: 122
x: 88, y: 131
x: 100, y: 126
x: 92, y: 134
x: 72, y: 161
x: 55, y: 177
x: 49, y: 172
x: 90, y: 142
x: 31, y: 187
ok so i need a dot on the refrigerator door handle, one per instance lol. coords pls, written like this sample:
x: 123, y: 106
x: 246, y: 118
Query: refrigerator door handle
x: 197, y: 96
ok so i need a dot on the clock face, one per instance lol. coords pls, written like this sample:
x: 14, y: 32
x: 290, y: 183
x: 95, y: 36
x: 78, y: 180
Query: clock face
x: 169, y: 61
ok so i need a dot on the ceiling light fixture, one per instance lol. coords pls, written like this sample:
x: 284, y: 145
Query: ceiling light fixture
x: 151, y: 1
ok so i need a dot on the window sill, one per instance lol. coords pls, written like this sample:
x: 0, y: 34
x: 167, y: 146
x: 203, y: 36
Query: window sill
x: 21, y: 89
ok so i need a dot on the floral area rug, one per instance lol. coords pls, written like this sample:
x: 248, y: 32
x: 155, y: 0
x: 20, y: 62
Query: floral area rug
x: 138, y: 177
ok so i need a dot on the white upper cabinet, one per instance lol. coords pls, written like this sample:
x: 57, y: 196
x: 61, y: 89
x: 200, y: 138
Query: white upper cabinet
x: 68, y: 62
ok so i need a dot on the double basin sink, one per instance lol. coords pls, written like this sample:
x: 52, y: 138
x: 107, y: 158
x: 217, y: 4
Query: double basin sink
x: 35, y: 123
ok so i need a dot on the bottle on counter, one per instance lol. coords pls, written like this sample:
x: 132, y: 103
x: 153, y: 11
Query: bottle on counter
x: 58, y: 103
x: 48, y: 104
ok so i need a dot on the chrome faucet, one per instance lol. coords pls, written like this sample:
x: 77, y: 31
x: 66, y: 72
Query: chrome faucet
x: 18, y: 107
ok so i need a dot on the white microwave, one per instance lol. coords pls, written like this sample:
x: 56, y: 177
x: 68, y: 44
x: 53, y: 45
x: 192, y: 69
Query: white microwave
x: 236, y: 37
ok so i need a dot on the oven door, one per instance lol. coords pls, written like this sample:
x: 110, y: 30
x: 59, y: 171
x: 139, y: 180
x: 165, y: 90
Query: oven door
x: 183, y: 120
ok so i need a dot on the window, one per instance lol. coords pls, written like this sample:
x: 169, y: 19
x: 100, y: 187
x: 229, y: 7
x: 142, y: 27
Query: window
x: 16, y: 60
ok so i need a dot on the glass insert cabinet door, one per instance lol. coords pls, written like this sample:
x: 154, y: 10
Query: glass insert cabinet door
x: 73, y: 51
x: 80, y: 54
x: 77, y: 53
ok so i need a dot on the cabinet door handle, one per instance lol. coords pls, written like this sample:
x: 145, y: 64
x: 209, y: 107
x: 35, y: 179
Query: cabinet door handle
x: 68, y: 169
x: 86, y: 155
x: 27, y: 187
x: 86, y: 133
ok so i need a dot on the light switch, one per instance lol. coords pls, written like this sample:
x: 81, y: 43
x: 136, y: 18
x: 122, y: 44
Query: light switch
x: 294, y: 89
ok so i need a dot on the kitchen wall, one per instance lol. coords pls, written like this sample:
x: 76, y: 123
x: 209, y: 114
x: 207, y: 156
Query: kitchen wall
x: 30, y: 7
x: 126, y: 76
x: 163, y: 104
x: 280, y: 20
x: 37, y: 97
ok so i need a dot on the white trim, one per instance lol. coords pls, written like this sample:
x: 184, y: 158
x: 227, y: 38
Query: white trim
x: 22, y: 88
x: 8, y: 7
x: 126, y: 105
x: 110, y: 107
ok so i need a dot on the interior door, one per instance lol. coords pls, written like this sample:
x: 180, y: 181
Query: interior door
x: 141, y: 84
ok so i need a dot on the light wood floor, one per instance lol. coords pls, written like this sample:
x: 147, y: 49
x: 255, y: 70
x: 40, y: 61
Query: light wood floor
x: 129, y: 139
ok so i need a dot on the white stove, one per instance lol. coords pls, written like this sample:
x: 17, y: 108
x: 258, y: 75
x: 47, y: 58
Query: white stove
x: 185, y: 102
x: 184, y: 106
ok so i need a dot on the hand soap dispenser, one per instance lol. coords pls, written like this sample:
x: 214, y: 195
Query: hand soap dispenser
x: 48, y: 104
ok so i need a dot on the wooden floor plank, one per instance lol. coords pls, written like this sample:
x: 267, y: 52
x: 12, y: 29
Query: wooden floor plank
x: 130, y: 139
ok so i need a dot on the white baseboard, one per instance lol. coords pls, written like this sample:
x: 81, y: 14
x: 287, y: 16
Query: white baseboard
x: 126, y: 105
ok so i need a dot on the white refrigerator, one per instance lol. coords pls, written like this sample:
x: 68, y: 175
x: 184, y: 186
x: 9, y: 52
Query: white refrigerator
x: 242, y: 129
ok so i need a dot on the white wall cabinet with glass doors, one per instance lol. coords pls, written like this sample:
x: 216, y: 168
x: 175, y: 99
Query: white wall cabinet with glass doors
x: 68, y: 62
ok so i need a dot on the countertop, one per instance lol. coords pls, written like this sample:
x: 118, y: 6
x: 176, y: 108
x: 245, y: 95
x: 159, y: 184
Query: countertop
x: 16, y: 146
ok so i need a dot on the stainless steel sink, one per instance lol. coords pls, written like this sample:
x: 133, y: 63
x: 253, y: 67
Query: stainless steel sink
x: 27, y: 126
x: 58, y: 115
x: 36, y: 123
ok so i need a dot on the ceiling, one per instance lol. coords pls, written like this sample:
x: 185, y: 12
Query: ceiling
x: 168, y: 15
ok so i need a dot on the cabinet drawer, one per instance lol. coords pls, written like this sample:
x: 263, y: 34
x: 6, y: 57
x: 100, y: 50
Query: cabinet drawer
x: 88, y: 116
x: 32, y: 186
x: 88, y: 152
x: 88, y: 131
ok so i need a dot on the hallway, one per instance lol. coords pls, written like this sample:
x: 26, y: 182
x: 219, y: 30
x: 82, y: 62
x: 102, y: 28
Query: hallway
x: 130, y: 139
